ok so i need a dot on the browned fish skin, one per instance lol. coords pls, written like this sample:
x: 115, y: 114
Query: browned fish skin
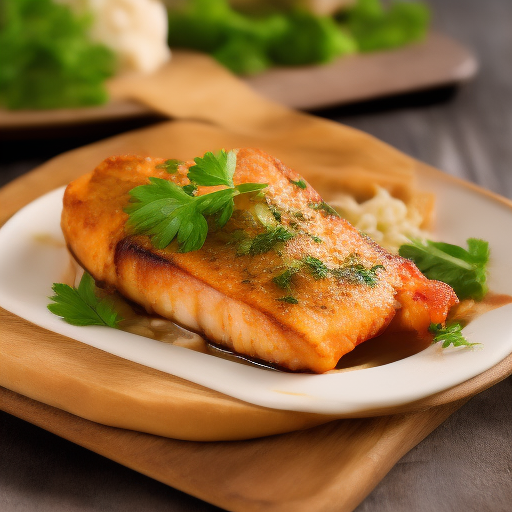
x: 231, y: 298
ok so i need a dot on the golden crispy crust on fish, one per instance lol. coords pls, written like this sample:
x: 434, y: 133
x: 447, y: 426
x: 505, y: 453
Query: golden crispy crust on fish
x: 231, y: 298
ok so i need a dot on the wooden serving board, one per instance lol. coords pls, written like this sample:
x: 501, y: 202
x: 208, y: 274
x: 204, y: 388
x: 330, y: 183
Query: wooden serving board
x: 328, y: 467
x: 439, y: 61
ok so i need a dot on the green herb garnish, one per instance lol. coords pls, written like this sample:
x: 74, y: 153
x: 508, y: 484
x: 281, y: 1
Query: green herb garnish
x: 300, y: 183
x: 315, y: 238
x: 80, y: 306
x: 449, y: 335
x: 171, y: 165
x: 284, y: 280
x: 358, y: 274
x: 164, y: 211
x: 211, y: 170
x: 464, y: 270
x: 323, y: 206
x: 350, y: 271
x: 265, y: 242
x: 275, y: 212
x: 317, y: 267
x: 288, y: 299
x: 353, y: 273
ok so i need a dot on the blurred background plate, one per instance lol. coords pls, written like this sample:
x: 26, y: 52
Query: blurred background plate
x: 437, y: 62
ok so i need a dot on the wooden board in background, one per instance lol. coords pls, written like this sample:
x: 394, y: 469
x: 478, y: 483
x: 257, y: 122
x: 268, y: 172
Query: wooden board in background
x: 439, y: 61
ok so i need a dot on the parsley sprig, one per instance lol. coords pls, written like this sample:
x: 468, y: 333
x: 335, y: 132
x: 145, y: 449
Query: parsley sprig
x: 165, y: 211
x: 80, y: 306
x: 450, y: 335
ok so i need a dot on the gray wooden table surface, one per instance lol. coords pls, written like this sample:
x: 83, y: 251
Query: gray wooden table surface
x: 466, y: 464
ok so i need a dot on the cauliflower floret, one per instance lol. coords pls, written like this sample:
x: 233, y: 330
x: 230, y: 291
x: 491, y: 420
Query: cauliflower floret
x: 383, y: 218
x: 136, y: 30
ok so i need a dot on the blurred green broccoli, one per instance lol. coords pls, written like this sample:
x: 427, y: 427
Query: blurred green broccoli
x: 377, y: 28
x: 310, y: 39
x: 46, y: 58
x: 248, y: 45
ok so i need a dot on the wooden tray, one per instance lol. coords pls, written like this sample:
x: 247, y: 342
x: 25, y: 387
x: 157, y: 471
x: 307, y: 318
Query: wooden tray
x: 439, y: 61
x: 328, y: 467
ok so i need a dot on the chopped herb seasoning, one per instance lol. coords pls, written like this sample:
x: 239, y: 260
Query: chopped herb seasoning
x: 317, y: 267
x: 288, y: 299
x: 358, y: 274
x: 315, y: 238
x: 275, y: 212
x: 171, y: 165
x: 284, y: 280
x: 265, y: 242
x: 300, y: 183
x: 324, y: 207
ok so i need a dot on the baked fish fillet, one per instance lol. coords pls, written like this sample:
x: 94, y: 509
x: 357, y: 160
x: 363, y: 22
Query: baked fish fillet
x: 300, y: 303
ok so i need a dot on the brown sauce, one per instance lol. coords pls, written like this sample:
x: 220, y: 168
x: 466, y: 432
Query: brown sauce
x: 386, y: 348
x: 390, y: 347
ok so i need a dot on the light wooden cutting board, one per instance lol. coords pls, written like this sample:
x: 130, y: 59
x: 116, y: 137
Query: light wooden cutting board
x: 331, y: 467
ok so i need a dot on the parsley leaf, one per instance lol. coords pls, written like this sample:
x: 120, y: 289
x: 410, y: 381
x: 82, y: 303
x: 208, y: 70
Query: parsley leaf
x: 211, y: 170
x: 300, y: 183
x: 464, y: 270
x: 449, y: 335
x: 80, y: 306
x: 171, y: 165
x: 163, y: 211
